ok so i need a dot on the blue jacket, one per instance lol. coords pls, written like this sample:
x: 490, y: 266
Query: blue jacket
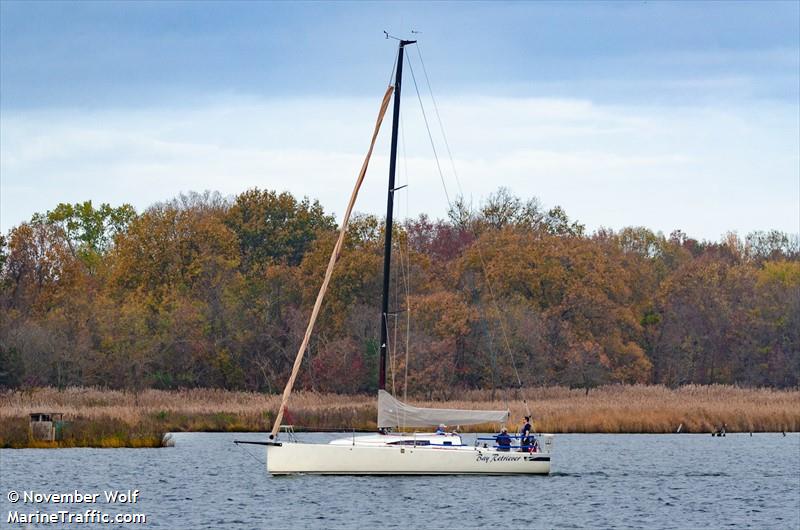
x: 503, y: 441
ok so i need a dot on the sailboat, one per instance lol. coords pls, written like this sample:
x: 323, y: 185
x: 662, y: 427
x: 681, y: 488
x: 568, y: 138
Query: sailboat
x: 389, y: 452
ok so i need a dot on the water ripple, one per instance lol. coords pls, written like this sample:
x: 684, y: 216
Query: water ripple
x: 624, y: 481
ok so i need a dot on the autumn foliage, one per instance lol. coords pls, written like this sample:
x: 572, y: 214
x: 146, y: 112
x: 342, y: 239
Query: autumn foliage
x: 204, y: 291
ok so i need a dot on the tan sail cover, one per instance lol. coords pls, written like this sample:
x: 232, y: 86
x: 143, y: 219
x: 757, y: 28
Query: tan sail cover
x: 337, y: 249
x: 393, y: 413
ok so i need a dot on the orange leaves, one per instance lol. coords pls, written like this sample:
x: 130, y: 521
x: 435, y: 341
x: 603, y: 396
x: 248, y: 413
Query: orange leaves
x: 174, y: 247
x: 208, y: 291
x: 445, y: 313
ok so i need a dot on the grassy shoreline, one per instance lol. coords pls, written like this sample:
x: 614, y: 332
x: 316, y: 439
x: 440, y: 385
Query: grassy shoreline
x: 106, y: 418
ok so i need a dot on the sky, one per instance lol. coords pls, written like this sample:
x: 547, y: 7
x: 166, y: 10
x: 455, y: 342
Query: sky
x: 665, y: 115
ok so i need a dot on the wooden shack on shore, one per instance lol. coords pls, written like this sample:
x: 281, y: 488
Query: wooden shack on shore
x: 46, y: 426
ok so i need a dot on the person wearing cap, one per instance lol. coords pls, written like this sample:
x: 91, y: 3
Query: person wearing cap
x: 503, y: 440
x: 442, y: 429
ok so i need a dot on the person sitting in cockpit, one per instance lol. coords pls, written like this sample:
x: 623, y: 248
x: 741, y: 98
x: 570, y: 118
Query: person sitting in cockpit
x: 503, y: 440
x: 442, y: 429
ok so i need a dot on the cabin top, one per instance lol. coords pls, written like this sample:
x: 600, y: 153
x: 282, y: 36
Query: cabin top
x: 415, y: 439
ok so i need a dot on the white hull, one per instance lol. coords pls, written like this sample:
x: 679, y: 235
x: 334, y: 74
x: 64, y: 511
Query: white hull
x: 340, y: 459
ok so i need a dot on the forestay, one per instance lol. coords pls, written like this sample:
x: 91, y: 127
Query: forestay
x: 393, y: 413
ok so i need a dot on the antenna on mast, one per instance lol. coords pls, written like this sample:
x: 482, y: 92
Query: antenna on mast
x: 403, y: 42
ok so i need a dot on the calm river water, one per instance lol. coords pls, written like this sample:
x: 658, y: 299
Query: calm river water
x: 598, y: 481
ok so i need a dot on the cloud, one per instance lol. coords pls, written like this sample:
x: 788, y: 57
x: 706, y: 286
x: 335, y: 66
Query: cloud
x: 704, y: 169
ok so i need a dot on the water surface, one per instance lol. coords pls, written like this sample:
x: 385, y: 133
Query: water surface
x: 598, y: 481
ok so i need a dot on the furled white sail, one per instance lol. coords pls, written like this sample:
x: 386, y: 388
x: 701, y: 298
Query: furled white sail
x: 393, y: 413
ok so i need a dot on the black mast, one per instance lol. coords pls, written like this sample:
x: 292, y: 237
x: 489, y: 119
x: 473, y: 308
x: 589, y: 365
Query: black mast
x: 387, y: 251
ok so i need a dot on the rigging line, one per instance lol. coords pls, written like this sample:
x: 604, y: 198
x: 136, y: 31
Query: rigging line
x: 480, y: 252
x: 403, y: 268
x: 391, y: 345
x: 394, y: 65
x: 408, y: 323
x: 406, y: 273
x: 493, y: 359
x: 391, y: 338
x: 389, y: 348
x: 394, y: 331
x: 502, y: 327
x: 430, y: 136
x: 394, y: 356
x: 439, y: 119
x: 408, y: 329
x: 254, y: 457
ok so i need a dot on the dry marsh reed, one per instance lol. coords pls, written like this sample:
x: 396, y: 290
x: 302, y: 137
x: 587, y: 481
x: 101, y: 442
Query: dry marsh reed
x: 652, y: 408
x: 108, y: 418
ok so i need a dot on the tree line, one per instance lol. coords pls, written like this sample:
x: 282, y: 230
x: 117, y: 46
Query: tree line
x: 206, y: 291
